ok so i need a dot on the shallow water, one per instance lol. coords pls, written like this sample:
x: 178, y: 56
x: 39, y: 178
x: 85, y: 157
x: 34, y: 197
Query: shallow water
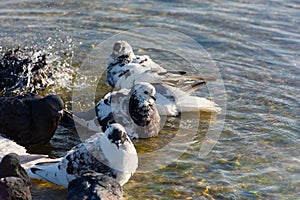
x: 255, y: 48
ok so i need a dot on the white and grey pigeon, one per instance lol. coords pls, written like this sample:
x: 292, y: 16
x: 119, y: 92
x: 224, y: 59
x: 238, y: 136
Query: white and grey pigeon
x: 112, y: 154
x: 135, y: 109
x: 174, y: 88
x: 122, y: 55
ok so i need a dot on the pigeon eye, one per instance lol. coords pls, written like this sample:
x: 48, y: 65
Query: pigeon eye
x: 146, y: 92
x: 53, y: 106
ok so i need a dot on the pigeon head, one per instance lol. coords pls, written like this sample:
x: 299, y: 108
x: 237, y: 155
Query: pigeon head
x: 10, y: 166
x: 122, y: 48
x: 116, y: 134
x: 55, y: 102
x: 144, y: 91
x: 11, y: 160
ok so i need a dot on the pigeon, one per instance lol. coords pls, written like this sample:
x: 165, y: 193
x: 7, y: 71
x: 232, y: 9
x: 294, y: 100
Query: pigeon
x: 135, y: 109
x: 93, y: 185
x: 174, y: 88
x: 122, y: 55
x: 30, y: 119
x: 14, y: 181
x: 111, y: 153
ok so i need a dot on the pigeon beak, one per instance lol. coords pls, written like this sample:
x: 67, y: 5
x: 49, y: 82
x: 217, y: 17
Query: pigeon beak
x: 61, y: 112
x: 153, y: 97
x: 118, y: 143
x: 124, y: 72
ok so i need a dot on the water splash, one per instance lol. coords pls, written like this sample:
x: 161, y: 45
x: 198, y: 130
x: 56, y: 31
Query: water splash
x: 31, y: 69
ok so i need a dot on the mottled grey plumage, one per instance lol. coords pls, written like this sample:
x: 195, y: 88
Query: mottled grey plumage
x: 111, y: 154
x: 92, y: 185
x: 122, y: 58
x: 81, y: 160
x: 30, y: 119
x: 78, y: 160
x: 121, y: 55
x: 134, y: 109
x: 14, y: 181
x: 125, y: 69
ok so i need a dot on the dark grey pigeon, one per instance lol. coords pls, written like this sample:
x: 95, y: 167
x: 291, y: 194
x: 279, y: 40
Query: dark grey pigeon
x: 30, y: 119
x: 14, y: 181
x: 92, y: 185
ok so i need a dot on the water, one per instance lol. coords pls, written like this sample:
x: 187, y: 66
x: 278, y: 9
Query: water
x: 255, y: 46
